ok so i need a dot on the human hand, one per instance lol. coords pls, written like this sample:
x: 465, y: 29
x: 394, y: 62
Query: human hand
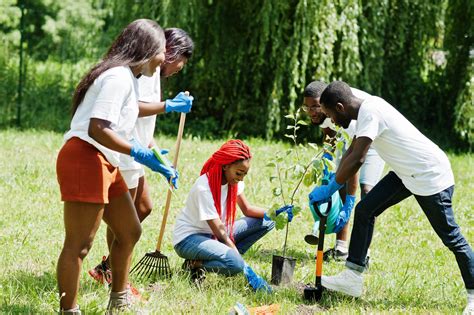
x: 327, y: 156
x: 255, y: 281
x: 322, y: 194
x: 180, y: 103
x: 289, y: 211
x: 156, y: 162
x: 345, y: 213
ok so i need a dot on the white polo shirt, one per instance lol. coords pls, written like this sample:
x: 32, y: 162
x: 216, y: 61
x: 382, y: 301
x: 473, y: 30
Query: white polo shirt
x: 112, y: 97
x: 421, y: 165
x: 199, y: 208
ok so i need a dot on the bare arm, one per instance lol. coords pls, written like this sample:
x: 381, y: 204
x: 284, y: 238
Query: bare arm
x: 353, y: 159
x: 247, y: 209
x: 148, y: 109
x: 218, y: 230
x: 100, y: 131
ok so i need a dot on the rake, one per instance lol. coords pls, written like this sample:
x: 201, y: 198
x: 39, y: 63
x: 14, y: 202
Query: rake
x: 155, y: 264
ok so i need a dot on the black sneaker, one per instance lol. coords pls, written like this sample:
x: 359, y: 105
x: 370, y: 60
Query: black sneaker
x: 197, y: 275
x: 334, y: 254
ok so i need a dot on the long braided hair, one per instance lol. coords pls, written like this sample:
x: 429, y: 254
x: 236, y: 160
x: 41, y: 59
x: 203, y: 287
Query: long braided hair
x: 137, y: 43
x: 230, y: 152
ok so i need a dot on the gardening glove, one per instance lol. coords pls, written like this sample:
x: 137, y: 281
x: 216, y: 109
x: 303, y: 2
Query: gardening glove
x: 328, y: 157
x: 148, y: 158
x: 255, y: 281
x: 289, y: 211
x: 322, y: 194
x: 345, y: 213
x: 180, y: 103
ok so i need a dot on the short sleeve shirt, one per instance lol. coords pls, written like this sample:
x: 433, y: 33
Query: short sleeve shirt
x: 113, y: 98
x: 421, y: 165
x: 199, y: 208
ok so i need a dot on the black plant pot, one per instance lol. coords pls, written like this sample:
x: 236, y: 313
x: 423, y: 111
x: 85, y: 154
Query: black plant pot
x: 282, y: 269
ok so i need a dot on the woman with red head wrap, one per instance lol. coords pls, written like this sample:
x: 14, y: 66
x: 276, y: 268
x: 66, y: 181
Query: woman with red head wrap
x: 206, y: 233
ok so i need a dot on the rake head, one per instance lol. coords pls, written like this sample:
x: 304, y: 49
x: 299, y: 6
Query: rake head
x: 152, y: 266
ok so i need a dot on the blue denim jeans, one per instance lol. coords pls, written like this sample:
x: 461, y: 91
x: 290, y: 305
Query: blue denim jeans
x: 218, y: 257
x: 437, y: 208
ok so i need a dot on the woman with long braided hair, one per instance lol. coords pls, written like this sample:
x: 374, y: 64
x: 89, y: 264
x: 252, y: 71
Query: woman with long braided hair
x: 206, y: 233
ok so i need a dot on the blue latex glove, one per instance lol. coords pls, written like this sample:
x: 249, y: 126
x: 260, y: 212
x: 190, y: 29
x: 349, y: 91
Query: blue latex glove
x: 345, y: 213
x: 146, y: 157
x: 180, y: 103
x: 327, y: 156
x: 288, y: 209
x: 321, y: 194
x: 255, y: 281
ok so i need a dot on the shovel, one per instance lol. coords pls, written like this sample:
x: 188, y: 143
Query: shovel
x: 315, y: 293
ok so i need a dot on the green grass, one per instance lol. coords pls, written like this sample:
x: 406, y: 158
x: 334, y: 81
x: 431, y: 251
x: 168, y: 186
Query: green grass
x: 411, y: 271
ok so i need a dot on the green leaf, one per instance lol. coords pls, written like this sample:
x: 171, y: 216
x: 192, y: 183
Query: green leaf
x: 280, y: 222
x: 290, y: 127
x: 276, y: 191
x: 272, y: 178
x: 296, y: 210
x: 318, y: 165
x: 299, y: 170
x: 290, y: 136
x: 290, y: 116
x: 330, y: 164
x: 308, y: 178
x: 327, y: 147
x: 346, y: 136
x: 271, y: 164
x: 302, y: 122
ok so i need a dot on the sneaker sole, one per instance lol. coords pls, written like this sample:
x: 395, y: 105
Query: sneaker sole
x: 311, y: 239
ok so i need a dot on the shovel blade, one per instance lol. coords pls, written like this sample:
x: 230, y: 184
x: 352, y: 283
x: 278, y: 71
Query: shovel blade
x: 313, y: 294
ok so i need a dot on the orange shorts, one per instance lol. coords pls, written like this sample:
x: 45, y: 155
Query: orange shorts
x: 85, y: 175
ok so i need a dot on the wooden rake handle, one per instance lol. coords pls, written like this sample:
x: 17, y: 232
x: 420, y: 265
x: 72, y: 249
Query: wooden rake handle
x: 168, y: 196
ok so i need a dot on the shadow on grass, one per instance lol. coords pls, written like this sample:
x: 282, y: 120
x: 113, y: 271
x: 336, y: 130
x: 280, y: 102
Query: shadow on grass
x: 22, y: 290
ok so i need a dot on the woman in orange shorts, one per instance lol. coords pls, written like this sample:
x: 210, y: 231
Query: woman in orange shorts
x: 105, y: 109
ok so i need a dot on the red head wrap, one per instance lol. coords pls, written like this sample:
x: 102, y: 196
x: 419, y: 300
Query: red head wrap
x: 230, y: 152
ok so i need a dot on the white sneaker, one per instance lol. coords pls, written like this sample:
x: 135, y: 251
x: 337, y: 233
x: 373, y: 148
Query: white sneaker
x: 348, y: 282
x: 469, y: 310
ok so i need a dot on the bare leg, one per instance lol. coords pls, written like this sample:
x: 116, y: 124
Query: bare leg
x: 143, y: 203
x: 81, y: 221
x: 110, y: 234
x: 121, y: 217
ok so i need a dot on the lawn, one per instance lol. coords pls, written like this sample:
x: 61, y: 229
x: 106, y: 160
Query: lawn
x: 410, y: 272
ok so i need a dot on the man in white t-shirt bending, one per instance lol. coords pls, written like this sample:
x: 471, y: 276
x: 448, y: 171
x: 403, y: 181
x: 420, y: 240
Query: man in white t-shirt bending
x: 420, y: 168
x: 370, y: 172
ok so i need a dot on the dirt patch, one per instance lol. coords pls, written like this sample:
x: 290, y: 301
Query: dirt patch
x: 304, y: 309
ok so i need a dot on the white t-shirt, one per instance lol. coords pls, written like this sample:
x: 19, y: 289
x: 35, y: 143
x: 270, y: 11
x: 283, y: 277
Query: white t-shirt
x: 112, y: 97
x: 199, y: 208
x: 149, y: 90
x: 421, y: 165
